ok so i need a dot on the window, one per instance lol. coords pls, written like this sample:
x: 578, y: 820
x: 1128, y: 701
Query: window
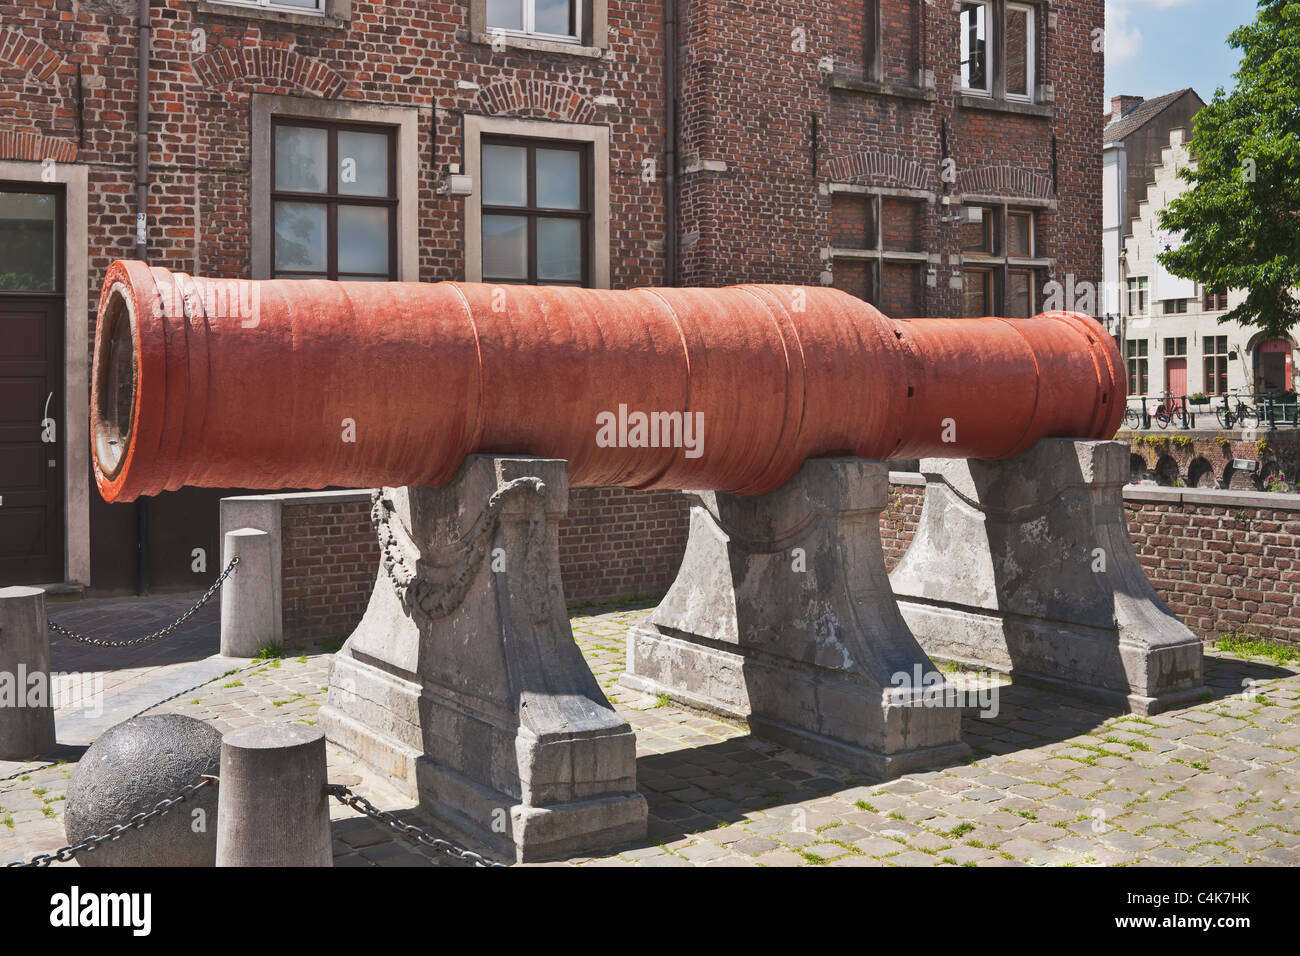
x: 978, y: 234
x: 552, y: 18
x: 536, y: 210
x: 296, y: 6
x: 1137, y: 296
x: 1020, y: 294
x: 1020, y: 234
x: 1175, y: 306
x: 1216, y: 364
x: 1137, y: 367
x: 977, y: 293
x: 998, y: 64
x: 31, y: 240
x: 975, y: 28
x: 1019, y: 72
x: 879, y: 243
x: 1175, y: 347
x: 333, y: 201
x: 1216, y: 300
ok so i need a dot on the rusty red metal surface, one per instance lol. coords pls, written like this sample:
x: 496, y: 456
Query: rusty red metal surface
x: 237, y: 383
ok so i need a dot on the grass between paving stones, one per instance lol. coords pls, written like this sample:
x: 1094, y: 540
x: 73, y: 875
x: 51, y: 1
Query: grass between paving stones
x: 1251, y: 645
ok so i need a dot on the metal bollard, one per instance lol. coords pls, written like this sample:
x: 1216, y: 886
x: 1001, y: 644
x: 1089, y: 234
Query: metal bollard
x: 26, y: 695
x: 272, y: 809
x: 248, y: 605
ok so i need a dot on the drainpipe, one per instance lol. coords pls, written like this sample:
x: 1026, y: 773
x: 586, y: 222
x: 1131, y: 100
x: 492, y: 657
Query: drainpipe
x: 141, y: 250
x: 670, y: 142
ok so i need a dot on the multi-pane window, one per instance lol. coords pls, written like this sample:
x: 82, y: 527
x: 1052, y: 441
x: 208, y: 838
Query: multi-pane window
x: 333, y: 201
x: 1138, y: 292
x: 978, y: 234
x: 1176, y: 347
x: 1216, y: 300
x: 536, y: 212
x: 1137, y: 366
x: 976, y: 28
x: 1216, y: 364
x: 556, y: 18
x: 1005, y: 286
x: 1175, y: 306
x: 981, y: 47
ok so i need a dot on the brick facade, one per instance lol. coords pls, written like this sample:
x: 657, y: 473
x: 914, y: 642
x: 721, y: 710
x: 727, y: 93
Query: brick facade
x: 773, y: 113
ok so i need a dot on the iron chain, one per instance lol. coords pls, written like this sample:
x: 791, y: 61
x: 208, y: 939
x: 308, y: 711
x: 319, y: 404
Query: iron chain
x: 90, y: 844
x: 156, y: 635
x: 411, y: 832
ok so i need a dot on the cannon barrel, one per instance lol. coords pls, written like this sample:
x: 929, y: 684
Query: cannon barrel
x: 309, y: 383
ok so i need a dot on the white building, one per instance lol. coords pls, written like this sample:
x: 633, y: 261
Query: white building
x: 1168, y: 327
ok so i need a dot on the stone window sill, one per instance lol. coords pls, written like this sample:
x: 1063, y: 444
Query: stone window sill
x: 537, y: 44
x: 969, y: 102
x: 324, y: 21
x: 838, y: 81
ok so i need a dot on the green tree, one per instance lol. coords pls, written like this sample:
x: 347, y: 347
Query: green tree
x: 1241, y: 219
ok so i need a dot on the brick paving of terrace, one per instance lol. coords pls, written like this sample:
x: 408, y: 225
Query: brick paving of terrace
x: 1052, y: 780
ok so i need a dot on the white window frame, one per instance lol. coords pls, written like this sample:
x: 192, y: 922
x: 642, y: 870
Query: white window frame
x: 1139, y: 287
x: 1032, y: 40
x: 317, y: 11
x: 530, y: 18
x: 964, y: 49
x: 478, y: 126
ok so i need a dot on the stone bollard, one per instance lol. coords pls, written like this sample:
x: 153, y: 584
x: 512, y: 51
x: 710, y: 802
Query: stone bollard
x: 273, y: 810
x: 248, y: 607
x: 26, y: 697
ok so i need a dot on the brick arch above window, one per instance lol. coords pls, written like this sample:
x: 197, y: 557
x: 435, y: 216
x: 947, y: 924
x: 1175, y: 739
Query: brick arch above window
x: 15, y: 144
x: 31, y: 56
x: 536, y: 98
x: 270, y: 65
x: 879, y: 169
x: 1005, y: 180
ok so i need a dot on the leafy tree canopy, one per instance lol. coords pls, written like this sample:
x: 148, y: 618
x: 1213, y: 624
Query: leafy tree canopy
x: 1241, y: 219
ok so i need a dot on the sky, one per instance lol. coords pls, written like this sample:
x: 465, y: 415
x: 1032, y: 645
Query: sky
x: 1157, y: 46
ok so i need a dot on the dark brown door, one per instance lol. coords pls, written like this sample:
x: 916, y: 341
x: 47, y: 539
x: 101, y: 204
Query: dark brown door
x: 31, y: 465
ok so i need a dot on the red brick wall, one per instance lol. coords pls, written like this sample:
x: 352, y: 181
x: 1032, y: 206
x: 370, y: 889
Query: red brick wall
x: 1220, y: 569
x: 614, y: 544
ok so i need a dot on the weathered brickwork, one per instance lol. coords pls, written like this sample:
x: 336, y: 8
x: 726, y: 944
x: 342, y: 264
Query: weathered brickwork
x: 763, y: 131
x: 1212, y: 460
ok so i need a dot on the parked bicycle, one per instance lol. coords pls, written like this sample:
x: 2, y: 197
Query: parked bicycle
x: 1169, y: 407
x: 1241, y: 413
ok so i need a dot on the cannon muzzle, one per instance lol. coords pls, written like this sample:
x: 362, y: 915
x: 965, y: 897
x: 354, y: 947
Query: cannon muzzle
x: 309, y: 383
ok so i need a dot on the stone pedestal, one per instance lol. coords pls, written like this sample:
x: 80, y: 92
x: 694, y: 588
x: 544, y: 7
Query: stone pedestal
x: 1025, y: 565
x: 782, y: 615
x: 463, y: 683
x: 26, y: 694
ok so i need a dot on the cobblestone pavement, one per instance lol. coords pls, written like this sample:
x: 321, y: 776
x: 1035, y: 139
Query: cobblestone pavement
x: 1052, y: 780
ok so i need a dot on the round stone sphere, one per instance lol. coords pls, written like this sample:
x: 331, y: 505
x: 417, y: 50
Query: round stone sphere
x: 128, y: 770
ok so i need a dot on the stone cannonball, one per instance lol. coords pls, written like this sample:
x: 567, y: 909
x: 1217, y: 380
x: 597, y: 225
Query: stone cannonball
x: 128, y: 770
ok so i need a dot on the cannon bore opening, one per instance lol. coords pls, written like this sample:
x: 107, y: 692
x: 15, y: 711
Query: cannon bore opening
x: 115, y: 382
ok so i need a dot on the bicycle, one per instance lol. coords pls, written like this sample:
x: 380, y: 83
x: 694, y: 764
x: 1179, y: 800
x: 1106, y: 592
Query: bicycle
x: 1244, y: 414
x: 1132, y: 418
x: 1169, y: 407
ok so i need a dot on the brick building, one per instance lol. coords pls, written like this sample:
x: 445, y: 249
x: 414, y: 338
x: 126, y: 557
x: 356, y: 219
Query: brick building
x: 935, y: 158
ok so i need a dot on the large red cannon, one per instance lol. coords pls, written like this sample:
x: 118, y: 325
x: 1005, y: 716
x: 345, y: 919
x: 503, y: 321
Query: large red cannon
x: 306, y: 384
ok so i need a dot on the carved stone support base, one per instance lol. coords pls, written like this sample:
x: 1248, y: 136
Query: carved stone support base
x: 782, y: 615
x: 1025, y: 565
x: 463, y: 684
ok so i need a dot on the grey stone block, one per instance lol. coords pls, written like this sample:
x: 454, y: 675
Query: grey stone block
x: 781, y: 614
x: 463, y: 682
x: 1025, y: 565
